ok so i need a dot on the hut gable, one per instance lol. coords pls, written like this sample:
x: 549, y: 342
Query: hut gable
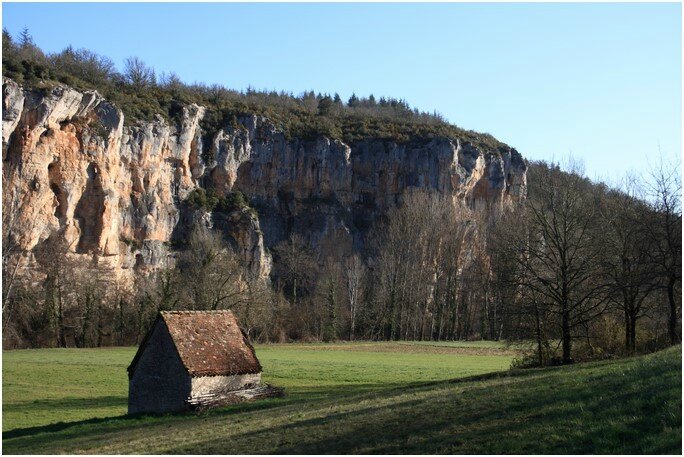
x: 158, y: 381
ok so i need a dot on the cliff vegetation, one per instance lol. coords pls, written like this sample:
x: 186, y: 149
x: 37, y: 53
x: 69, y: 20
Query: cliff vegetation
x: 142, y: 94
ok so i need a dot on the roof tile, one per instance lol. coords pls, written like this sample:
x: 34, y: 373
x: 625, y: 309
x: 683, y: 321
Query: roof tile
x: 210, y: 343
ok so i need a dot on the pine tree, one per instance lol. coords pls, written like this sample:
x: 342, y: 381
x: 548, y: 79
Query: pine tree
x: 325, y: 106
x: 25, y: 38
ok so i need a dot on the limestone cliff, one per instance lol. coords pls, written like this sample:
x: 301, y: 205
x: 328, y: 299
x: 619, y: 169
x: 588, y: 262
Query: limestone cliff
x: 115, y: 192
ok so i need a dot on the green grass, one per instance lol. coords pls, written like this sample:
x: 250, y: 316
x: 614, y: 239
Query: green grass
x: 44, y: 386
x: 356, y: 398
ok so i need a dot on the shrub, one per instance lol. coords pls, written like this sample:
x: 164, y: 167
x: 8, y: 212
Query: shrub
x: 199, y: 199
x: 208, y: 200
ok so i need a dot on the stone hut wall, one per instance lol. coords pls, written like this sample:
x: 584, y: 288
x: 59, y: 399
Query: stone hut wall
x: 202, y: 385
x: 160, y: 382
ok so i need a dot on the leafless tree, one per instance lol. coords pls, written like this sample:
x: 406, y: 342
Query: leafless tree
x: 354, y: 274
x: 628, y: 247
x: 137, y: 73
x: 295, y: 266
x: 91, y: 313
x: 12, y: 256
x: 85, y: 64
x: 257, y: 311
x: 419, y: 268
x: 560, y: 256
x: 664, y: 189
x: 328, y: 300
x: 58, y: 273
x: 210, y: 271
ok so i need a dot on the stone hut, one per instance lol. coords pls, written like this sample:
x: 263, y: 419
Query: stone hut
x: 188, y: 355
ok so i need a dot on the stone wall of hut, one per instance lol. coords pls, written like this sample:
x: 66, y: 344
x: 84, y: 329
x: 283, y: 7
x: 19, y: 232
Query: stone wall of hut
x: 160, y: 382
x: 203, y: 385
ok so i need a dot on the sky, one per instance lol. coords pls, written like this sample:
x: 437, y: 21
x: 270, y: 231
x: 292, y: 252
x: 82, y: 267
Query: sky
x: 598, y: 82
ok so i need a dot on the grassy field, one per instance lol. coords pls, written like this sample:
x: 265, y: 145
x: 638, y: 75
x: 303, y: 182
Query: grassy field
x: 360, y: 398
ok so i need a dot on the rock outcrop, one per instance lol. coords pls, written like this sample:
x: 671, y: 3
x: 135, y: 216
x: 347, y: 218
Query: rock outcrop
x: 115, y: 192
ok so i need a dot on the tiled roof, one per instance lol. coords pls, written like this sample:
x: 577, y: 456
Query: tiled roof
x: 210, y: 343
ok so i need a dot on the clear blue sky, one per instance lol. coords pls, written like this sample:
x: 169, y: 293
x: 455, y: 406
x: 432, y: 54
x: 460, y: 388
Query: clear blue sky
x: 599, y: 81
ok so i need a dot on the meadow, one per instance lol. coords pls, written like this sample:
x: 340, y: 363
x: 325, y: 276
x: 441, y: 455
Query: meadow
x: 356, y: 398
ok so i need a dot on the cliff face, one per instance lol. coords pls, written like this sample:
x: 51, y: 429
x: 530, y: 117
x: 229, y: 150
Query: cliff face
x: 115, y: 193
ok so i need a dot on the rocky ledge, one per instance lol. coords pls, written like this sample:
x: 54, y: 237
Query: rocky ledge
x: 116, y: 192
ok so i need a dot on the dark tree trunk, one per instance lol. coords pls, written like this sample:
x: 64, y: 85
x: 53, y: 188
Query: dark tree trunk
x: 60, y: 324
x: 672, y: 323
x: 538, y: 334
x: 567, y: 343
x: 628, y: 336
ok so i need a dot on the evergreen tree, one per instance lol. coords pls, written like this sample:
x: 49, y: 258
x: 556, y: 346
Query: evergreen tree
x: 25, y: 38
x: 325, y: 106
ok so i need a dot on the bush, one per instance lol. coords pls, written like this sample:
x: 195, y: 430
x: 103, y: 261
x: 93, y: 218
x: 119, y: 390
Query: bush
x: 208, y: 201
x: 199, y: 199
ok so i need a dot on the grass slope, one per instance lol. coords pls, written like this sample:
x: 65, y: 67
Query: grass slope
x: 45, y: 386
x: 393, y: 399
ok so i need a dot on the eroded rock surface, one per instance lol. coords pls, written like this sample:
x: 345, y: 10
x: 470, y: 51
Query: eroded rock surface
x: 115, y: 192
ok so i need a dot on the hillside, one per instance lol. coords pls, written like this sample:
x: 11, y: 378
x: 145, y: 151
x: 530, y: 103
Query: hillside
x: 108, y: 173
x: 345, y: 406
x: 116, y: 165
x: 142, y: 95
x: 75, y: 170
x: 87, y: 180
x: 312, y: 218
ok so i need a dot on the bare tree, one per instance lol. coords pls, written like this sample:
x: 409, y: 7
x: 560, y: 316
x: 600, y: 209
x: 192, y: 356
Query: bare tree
x: 329, y: 297
x: 399, y: 244
x: 527, y: 311
x: 85, y: 64
x: 625, y: 262
x: 354, y: 273
x: 57, y: 285
x: 560, y: 255
x: 137, y: 73
x: 418, y: 267
x: 172, y: 82
x: 257, y: 311
x: 88, y: 284
x: 12, y: 255
x: 295, y: 266
x: 664, y: 187
x: 210, y: 271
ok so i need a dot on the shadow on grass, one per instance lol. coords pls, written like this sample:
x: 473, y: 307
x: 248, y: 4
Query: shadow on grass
x: 58, y: 426
x: 295, y: 396
x: 632, y: 406
x: 623, y: 411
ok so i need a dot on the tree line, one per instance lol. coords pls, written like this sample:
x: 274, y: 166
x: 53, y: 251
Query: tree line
x: 582, y: 261
x: 580, y: 269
